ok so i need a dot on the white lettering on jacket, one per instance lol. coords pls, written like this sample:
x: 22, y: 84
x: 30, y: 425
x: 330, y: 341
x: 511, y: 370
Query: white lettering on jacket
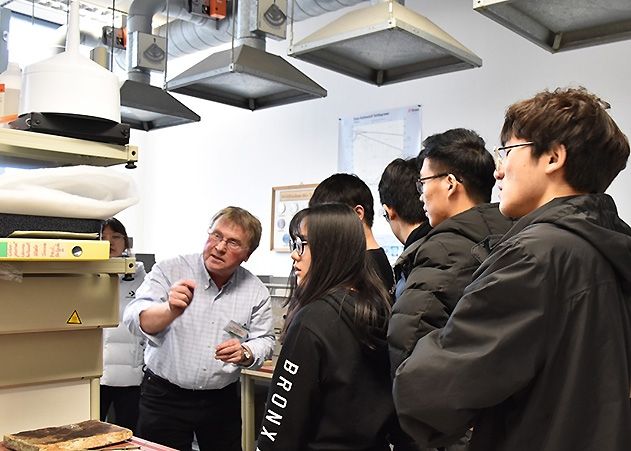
x: 273, y: 417
x: 278, y: 400
x: 291, y: 368
x: 284, y: 383
x: 268, y: 434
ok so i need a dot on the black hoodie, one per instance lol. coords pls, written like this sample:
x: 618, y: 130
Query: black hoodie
x: 329, y: 391
x: 537, y: 353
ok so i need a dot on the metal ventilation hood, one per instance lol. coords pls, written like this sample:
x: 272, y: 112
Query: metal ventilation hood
x: 146, y: 107
x: 251, y: 78
x: 385, y: 43
x: 558, y: 25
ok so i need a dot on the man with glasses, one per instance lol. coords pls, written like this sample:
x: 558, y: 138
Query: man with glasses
x: 537, y: 353
x: 456, y: 179
x: 205, y: 317
x: 403, y: 210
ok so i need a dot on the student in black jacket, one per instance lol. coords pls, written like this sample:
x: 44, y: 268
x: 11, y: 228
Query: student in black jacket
x: 537, y: 353
x: 353, y: 191
x: 403, y: 209
x: 331, y: 388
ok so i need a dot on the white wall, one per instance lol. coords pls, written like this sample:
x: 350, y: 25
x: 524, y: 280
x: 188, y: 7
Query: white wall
x: 234, y: 157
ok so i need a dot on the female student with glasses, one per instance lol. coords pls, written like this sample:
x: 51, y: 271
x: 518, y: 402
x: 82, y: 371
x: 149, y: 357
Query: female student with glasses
x: 331, y: 387
x: 122, y: 351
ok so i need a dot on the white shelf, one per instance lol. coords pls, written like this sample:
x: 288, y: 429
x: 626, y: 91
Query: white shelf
x: 31, y: 149
x: 120, y: 265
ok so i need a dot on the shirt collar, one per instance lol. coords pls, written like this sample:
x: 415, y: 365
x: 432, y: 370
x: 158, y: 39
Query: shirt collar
x: 417, y: 234
x: 234, y: 279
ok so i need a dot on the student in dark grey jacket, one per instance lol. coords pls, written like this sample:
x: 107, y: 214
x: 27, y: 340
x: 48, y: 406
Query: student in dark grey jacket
x: 537, y: 353
x: 456, y: 182
x: 456, y: 179
x: 331, y: 387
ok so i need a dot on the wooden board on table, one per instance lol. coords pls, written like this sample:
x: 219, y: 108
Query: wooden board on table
x: 79, y: 436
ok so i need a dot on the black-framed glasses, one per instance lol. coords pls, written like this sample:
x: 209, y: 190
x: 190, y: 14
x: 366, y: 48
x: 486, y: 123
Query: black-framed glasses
x: 297, y: 245
x: 420, y: 182
x: 386, y: 216
x: 215, y: 238
x: 501, y: 152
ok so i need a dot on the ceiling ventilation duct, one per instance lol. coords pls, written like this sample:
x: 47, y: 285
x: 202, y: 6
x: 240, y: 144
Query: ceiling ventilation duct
x: 246, y: 76
x: 384, y: 43
x: 144, y: 106
x: 558, y: 25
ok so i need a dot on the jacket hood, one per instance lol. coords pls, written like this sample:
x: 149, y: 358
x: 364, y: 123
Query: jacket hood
x: 593, y: 217
x: 475, y: 224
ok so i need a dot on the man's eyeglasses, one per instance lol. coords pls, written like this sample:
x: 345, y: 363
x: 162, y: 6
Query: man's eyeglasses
x: 297, y: 245
x: 215, y: 238
x: 500, y: 153
x: 420, y: 182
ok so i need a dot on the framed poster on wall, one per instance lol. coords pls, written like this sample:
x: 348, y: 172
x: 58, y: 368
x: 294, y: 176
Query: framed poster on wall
x: 368, y: 142
x: 286, y: 202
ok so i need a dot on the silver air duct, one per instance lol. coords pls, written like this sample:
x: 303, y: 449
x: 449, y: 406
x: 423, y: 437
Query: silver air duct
x: 246, y: 76
x: 192, y: 34
x: 143, y: 106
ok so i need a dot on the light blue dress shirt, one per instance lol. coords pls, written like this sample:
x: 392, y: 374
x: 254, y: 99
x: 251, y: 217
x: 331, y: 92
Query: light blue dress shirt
x: 184, y: 352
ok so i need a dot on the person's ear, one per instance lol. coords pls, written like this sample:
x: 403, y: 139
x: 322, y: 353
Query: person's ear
x: 391, y: 212
x: 360, y: 212
x: 556, y: 158
x: 453, y: 181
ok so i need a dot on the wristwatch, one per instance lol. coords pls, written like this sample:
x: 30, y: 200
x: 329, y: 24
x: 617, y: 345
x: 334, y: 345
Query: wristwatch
x: 247, y: 355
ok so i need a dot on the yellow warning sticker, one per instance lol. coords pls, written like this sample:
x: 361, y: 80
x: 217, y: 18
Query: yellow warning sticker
x: 74, y: 318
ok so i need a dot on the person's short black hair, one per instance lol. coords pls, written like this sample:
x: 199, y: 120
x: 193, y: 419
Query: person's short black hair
x: 397, y: 189
x: 346, y: 189
x: 462, y: 153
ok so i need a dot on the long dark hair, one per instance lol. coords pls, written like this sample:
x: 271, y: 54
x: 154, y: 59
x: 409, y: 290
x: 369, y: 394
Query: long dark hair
x: 337, y: 244
x: 117, y: 227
